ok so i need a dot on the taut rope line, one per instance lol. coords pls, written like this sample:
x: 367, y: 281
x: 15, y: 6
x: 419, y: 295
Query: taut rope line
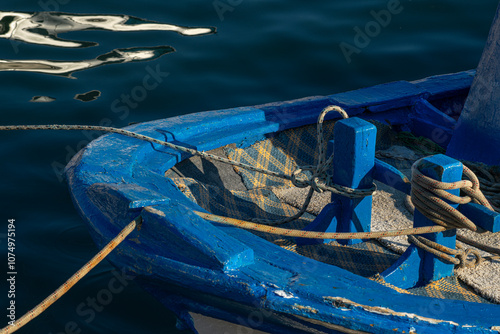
x: 37, y: 310
x: 317, y: 235
x: 337, y: 189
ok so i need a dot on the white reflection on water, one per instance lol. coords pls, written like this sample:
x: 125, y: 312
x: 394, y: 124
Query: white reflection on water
x: 43, y: 28
x: 67, y: 68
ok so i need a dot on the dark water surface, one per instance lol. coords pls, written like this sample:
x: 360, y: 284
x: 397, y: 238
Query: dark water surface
x: 263, y: 51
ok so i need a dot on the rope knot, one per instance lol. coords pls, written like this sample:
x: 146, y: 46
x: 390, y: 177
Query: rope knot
x: 299, y: 179
x: 463, y: 255
x: 459, y: 256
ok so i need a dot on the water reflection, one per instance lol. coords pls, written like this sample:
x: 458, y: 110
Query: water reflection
x: 67, y: 68
x: 43, y: 27
x: 42, y: 99
x: 89, y: 96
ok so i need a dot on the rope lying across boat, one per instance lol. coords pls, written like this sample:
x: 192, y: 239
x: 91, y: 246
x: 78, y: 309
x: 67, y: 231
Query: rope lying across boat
x: 317, y: 235
x: 433, y: 207
x: 294, y: 178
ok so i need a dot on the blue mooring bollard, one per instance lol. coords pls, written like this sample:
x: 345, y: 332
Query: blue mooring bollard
x: 354, y: 149
x: 417, y: 267
x: 354, y: 152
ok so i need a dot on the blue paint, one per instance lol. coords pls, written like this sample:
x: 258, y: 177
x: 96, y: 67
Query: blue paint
x: 391, y: 176
x: 406, y: 272
x: 417, y: 267
x: 327, y: 221
x: 446, y: 85
x: 481, y: 216
x: 427, y: 121
x: 381, y: 97
x: 115, y: 179
x: 354, y: 152
x: 445, y: 169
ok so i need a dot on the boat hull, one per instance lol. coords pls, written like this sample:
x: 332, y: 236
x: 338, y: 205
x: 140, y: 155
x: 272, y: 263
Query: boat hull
x: 232, y: 274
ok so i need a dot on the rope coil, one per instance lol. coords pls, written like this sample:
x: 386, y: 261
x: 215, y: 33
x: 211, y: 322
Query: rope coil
x: 427, y: 194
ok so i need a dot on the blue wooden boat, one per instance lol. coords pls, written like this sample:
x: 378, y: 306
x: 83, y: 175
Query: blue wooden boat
x: 195, y: 265
x: 274, y: 283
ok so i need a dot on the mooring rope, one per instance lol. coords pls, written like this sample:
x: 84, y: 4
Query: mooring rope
x: 317, y: 235
x: 426, y: 196
x: 37, y: 310
x: 314, y: 182
x: 320, y: 179
x: 486, y: 248
x: 461, y: 254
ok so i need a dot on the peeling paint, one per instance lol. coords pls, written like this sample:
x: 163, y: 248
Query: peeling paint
x: 305, y: 308
x: 284, y: 294
x: 340, y: 302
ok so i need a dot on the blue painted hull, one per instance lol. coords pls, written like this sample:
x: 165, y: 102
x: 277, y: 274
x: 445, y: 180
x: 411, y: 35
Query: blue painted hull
x: 228, y: 273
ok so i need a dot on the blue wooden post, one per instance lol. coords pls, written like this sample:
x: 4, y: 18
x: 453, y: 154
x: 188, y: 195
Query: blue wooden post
x: 354, y: 151
x: 442, y: 168
x: 417, y: 267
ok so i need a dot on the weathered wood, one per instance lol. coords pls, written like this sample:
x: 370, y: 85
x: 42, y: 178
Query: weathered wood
x: 417, y: 267
x: 301, y: 294
x: 389, y: 175
x: 427, y: 121
x: 354, y: 152
x: 476, y: 135
x: 445, y: 169
x: 481, y: 216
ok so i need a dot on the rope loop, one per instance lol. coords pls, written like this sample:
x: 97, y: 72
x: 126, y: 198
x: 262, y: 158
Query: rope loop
x: 316, y: 185
x: 464, y: 253
x: 459, y: 257
x: 299, y: 182
x: 320, y: 180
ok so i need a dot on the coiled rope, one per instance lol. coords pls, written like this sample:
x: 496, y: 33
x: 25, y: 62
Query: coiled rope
x: 465, y: 240
x: 37, y: 310
x: 426, y: 196
x: 490, y: 185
